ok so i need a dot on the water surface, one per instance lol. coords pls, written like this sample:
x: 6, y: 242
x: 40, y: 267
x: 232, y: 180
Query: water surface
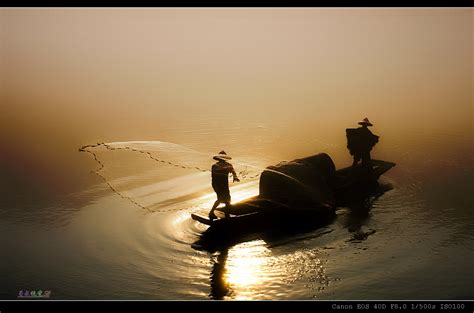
x: 93, y: 244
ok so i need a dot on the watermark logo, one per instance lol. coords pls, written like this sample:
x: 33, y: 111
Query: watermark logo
x: 34, y: 294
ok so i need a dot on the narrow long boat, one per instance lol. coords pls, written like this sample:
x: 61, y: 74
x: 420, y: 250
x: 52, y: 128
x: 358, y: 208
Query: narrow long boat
x: 297, y: 195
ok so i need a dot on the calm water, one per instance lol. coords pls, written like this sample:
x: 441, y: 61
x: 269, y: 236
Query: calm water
x: 93, y: 244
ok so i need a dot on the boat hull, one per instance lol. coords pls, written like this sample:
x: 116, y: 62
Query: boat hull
x: 259, y: 217
x: 227, y: 232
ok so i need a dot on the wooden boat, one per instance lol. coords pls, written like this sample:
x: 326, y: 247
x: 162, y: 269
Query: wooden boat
x: 299, y: 195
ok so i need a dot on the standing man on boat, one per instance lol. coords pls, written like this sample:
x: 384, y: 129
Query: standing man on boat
x: 220, y: 182
x: 360, y: 141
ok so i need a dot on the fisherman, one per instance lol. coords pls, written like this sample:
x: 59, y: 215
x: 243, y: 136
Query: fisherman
x: 220, y: 182
x: 360, y: 141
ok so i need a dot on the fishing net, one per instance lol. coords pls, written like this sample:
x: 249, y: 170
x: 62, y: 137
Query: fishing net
x: 157, y: 175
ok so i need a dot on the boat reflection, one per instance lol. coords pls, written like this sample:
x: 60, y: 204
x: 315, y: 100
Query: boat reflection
x: 358, y: 213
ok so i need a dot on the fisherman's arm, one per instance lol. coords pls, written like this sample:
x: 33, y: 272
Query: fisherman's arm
x: 234, y: 174
x: 375, y: 138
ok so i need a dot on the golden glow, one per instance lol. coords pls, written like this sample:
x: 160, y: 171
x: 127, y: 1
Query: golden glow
x: 239, y: 192
x: 208, y: 77
x: 244, y: 191
x: 246, y: 267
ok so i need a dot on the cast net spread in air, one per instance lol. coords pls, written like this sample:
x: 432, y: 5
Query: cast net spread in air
x: 157, y: 175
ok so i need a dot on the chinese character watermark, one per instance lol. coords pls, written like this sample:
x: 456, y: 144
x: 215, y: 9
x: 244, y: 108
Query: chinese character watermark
x: 34, y: 294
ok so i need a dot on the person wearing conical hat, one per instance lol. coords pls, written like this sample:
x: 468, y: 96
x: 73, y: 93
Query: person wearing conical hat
x: 365, y: 122
x: 220, y: 182
x: 360, y: 142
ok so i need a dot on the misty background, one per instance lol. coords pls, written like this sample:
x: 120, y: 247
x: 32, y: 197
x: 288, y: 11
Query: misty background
x: 287, y: 79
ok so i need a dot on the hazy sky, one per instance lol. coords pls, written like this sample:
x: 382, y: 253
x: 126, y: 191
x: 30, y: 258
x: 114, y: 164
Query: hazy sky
x: 71, y: 76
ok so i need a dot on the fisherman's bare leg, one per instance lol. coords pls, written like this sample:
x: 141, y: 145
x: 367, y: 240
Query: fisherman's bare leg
x: 211, y: 214
x: 366, y: 161
x: 227, y: 209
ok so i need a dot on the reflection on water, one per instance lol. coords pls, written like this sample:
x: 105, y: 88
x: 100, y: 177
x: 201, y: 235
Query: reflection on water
x: 250, y: 271
x: 386, y: 247
x: 246, y: 268
x: 219, y: 283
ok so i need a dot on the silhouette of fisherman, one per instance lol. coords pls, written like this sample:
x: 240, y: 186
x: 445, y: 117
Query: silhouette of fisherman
x: 360, y: 141
x: 220, y: 182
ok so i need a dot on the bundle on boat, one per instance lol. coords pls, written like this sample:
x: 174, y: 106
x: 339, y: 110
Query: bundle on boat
x: 301, y: 183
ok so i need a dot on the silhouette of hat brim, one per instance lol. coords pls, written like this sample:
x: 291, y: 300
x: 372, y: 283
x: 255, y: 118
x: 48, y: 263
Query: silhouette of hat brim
x: 366, y: 122
x: 222, y: 157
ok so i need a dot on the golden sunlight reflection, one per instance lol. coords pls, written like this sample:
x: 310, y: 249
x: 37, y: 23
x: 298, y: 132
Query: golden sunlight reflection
x: 245, y: 268
x: 238, y: 193
x: 244, y: 191
x: 179, y: 218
